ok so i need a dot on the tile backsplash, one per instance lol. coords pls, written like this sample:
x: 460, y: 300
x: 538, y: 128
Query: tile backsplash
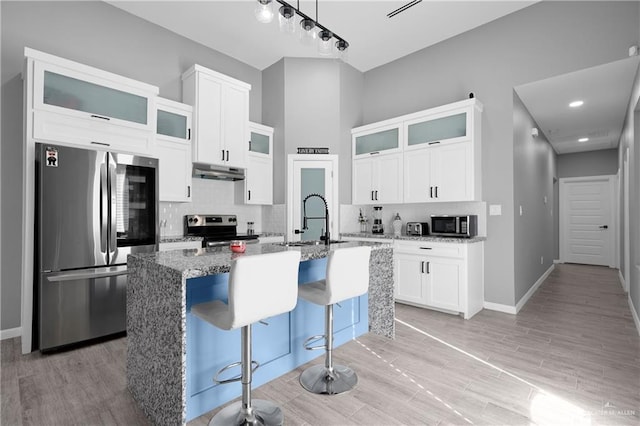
x: 411, y: 213
x: 209, y: 197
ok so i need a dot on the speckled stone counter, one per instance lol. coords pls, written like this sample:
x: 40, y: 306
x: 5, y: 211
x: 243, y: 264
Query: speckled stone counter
x: 157, y: 315
x: 179, y: 239
x: 430, y: 238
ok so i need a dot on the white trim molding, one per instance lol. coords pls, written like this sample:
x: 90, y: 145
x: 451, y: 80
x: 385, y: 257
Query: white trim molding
x: 10, y: 333
x: 507, y: 309
x: 623, y: 283
x: 533, y: 288
x: 634, y: 313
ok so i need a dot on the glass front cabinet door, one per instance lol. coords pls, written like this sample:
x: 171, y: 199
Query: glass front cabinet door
x: 173, y: 147
x: 381, y: 138
x: 258, y: 184
x: 438, y: 129
x: 80, y: 105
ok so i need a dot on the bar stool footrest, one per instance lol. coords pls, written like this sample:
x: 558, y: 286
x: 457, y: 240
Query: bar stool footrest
x: 314, y: 339
x: 263, y: 413
x: 319, y: 380
x: 236, y: 378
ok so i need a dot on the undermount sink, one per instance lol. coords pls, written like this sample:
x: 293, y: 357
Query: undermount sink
x: 309, y: 243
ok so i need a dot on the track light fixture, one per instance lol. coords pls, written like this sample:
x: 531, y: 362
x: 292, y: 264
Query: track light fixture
x: 310, y: 29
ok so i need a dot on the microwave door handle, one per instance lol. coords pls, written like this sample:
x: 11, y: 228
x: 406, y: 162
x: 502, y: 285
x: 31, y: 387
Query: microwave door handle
x: 104, y: 208
x: 113, y: 206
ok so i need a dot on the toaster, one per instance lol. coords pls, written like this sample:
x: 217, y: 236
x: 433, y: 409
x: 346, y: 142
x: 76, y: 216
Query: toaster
x: 417, y: 228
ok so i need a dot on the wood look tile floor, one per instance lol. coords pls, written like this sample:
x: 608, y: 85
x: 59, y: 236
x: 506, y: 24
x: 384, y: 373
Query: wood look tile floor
x: 571, y: 356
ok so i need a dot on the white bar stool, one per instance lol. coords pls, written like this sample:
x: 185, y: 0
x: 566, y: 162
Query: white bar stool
x: 347, y: 277
x: 260, y: 286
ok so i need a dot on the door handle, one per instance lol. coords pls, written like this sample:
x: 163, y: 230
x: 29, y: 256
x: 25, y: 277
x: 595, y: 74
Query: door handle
x: 104, y: 208
x: 297, y: 231
x: 603, y: 226
x: 113, y: 209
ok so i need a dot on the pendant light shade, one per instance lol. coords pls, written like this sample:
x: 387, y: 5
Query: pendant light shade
x: 264, y: 11
x: 324, y: 42
x: 308, y: 33
x: 287, y: 19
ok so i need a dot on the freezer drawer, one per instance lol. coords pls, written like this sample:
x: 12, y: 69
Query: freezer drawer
x: 82, y: 304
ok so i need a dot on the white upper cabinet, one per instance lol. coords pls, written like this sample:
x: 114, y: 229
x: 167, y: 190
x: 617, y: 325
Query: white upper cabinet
x: 74, y: 104
x: 379, y: 138
x: 377, y: 179
x: 441, y: 156
x: 435, y: 129
x: 258, y: 183
x: 220, y: 116
x: 173, y: 148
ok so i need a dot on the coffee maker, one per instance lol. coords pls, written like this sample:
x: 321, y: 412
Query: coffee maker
x: 378, y: 227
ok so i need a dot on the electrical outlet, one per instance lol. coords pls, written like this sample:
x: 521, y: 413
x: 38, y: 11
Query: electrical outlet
x: 542, y: 260
x: 520, y: 210
x: 545, y: 199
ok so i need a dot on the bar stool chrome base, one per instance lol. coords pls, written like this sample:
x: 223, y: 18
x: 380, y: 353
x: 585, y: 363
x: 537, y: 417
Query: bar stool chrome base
x: 319, y: 380
x: 264, y: 413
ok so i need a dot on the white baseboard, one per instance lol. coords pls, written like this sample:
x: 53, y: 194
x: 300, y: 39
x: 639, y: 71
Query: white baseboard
x: 622, y: 282
x: 500, y: 308
x: 533, y: 289
x: 634, y: 313
x: 10, y: 333
x: 556, y: 261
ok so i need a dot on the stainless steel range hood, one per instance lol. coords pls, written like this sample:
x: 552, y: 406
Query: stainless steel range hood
x: 210, y: 171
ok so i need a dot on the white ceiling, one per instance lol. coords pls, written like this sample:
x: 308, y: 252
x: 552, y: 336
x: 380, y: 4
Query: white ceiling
x: 605, y: 90
x: 231, y: 28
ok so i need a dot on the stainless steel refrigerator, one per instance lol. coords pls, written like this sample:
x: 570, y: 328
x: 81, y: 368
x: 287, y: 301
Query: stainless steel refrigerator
x: 93, y: 208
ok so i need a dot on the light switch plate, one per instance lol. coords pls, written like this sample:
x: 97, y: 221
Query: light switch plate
x: 495, y: 210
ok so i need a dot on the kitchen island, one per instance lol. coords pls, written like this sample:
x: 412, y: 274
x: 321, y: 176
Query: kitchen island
x: 172, y: 355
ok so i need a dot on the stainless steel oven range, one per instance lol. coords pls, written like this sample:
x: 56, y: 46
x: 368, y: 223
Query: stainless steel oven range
x: 216, y: 230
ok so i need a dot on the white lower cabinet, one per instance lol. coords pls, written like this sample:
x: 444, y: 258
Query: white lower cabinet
x: 442, y: 276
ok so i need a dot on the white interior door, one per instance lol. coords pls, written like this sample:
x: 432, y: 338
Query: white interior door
x: 627, y: 231
x: 586, y: 220
x: 312, y: 174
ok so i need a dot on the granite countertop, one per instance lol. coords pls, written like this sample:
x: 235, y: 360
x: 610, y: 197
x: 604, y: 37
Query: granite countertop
x: 270, y: 234
x: 217, y: 260
x: 429, y: 238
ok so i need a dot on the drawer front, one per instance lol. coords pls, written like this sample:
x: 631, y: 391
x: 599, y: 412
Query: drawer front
x: 431, y: 249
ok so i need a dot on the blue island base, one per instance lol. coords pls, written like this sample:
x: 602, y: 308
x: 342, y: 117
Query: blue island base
x: 277, y: 345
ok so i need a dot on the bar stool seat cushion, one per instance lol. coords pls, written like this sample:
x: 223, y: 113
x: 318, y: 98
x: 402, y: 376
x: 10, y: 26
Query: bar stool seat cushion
x: 260, y: 286
x: 347, y: 277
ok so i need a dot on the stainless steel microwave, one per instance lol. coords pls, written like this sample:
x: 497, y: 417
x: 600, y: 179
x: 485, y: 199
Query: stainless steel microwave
x: 454, y: 226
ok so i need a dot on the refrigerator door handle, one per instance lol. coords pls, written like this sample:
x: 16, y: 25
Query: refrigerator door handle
x: 112, y: 207
x: 104, y: 208
x: 113, y: 271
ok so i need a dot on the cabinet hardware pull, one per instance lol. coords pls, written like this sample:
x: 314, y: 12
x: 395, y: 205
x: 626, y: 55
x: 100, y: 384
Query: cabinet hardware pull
x: 188, y: 134
x: 100, y: 143
x: 376, y: 195
x: 100, y: 117
x: 374, y: 153
x: 604, y: 227
x: 422, y: 267
x: 223, y: 155
x: 263, y: 322
x: 433, y: 143
x: 425, y: 248
x: 249, y: 194
x: 228, y: 160
x: 436, y: 192
x: 431, y: 192
x: 249, y: 145
x: 188, y: 191
x: 428, y: 271
x: 372, y: 199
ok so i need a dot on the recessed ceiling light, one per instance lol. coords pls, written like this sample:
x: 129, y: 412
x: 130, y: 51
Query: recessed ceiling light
x: 583, y: 139
x: 576, y: 104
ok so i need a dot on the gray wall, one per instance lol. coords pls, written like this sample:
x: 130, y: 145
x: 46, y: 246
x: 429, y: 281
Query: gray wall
x: 317, y: 107
x: 631, y: 139
x: 96, y: 34
x: 534, y: 169
x: 591, y: 163
x: 541, y: 41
